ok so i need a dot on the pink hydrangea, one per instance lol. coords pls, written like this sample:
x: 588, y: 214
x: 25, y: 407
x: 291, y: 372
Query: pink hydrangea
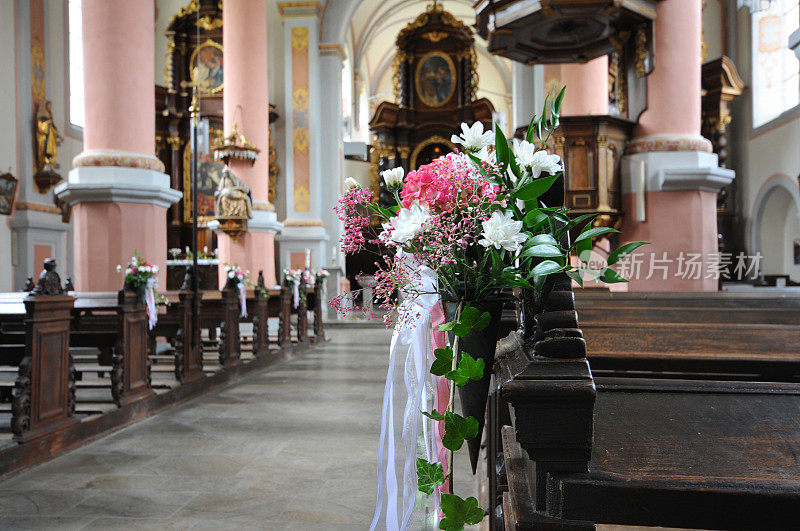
x: 444, y: 183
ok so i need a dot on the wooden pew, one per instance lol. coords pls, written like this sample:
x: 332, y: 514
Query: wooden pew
x: 632, y: 447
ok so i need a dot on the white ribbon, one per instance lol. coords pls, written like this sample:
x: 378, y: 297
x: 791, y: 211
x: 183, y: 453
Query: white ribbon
x: 296, y: 292
x: 150, y: 302
x: 242, y: 298
x: 419, y: 297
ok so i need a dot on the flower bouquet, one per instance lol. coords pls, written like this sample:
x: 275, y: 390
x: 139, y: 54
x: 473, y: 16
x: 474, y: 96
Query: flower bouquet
x: 241, y: 277
x: 469, y: 230
x: 140, y: 276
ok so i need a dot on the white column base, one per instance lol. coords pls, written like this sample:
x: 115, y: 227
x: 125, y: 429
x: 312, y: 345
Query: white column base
x: 675, y: 170
x: 117, y: 184
x: 296, y: 239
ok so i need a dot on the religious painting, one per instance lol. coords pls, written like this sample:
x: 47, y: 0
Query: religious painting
x: 8, y: 190
x: 435, y: 79
x: 206, y: 65
x: 209, y: 173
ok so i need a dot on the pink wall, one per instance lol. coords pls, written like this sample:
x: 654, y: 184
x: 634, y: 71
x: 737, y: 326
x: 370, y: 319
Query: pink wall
x: 107, y: 234
x: 118, y: 57
x: 254, y: 251
x: 677, y: 222
x: 673, y: 88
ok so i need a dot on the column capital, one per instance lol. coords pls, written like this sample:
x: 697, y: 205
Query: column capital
x: 300, y: 9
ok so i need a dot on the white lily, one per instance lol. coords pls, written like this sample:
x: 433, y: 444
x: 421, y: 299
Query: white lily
x: 351, y: 183
x: 524, y: 151
x: 473, y: 138
x: 501, y: 231
x: 406, y: 224
x: 393, y: 178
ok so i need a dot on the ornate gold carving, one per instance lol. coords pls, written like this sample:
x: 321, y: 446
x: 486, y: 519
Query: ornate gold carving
x: 299, y: 38
x: 169, y: 82
x: 233, y: 227
x: 283, y: 6
x: 641, y: 52
x: 47, y: 142
x: 174, y: 141
x: 303, y: 223
x: 37, y: 207
x: 436, y: 139
x: 274, y: 171
x: 208, y: 23
x: 192, y: 7
x: 404, y: 151
x: 435, y: 36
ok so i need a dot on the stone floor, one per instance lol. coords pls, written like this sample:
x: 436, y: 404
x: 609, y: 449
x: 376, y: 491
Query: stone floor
x: 290, y: 447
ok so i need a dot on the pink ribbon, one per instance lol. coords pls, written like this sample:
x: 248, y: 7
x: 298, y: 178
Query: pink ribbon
x: 442, y: 389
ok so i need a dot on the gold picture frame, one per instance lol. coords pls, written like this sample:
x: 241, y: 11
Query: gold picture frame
x: 207, y: 76
x: 8, y: 193
x: 435, y: 78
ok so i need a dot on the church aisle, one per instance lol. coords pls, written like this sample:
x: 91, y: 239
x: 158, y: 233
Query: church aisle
x: 290, y: 447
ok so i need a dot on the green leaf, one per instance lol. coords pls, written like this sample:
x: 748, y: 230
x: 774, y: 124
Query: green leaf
x: 534, y: 219
x: 559, y: 99
x: 545, y: 268
x: 593, y: 233
x: 536, y: 188
x: 429, y: 475
x: 433, y: 415
x: 457, y: 429
x: 546, y: 251
x: 610, y: 276
x: 482, y: 322
x: 576, y: 276
x: 459, y: 512
x: 444, y: 358
x: 469, y: 320
x: 574, y: 222
x: 468, y: 369
x: 622, y: 252
x: 530, y: 134
x: 501, y: 149
x: 541, y: 239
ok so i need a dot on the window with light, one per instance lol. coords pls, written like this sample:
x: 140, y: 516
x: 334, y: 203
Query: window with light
x: 75, y: 31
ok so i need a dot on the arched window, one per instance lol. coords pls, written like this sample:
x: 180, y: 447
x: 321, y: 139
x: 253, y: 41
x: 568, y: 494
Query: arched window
x: 776, y: 70
x: 75, y: 63
x: 347, y: 99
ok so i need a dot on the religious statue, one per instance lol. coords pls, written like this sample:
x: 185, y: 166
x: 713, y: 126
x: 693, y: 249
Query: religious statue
x: 49, y: 281
x: 232, y: 197
x: 47, y: 142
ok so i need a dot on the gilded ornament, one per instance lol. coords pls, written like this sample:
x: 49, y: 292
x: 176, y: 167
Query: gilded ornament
x: 208, y: 23
x: 37, y: 73
x: 641, y: 52
x: 300, y: 38
x: 47, y: 142
x: 301, y: 199
x: 300, y: 99
x: 300, y: 138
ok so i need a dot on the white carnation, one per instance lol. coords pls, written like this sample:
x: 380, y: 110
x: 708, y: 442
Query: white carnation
x: 351, y: 183
x: 406, y: 224
x: 544, y: 162
x: 524, y: 151
x: 502, y: 231
x: 393, y: 178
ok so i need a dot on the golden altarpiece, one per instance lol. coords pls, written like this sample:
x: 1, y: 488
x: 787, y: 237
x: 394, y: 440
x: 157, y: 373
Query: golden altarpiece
x: 435, y: 83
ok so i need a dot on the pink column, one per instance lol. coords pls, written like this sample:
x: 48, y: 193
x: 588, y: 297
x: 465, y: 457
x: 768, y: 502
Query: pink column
x: 117, y: 189
x: 587, y: 88
x: 673, y: 88
x: 245, y: 57
x: 681, y: 174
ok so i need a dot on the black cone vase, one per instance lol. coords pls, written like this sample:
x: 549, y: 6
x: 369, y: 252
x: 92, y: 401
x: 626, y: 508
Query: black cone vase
x: 480, y: 344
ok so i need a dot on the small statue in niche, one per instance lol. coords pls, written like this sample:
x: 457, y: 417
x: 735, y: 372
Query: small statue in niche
x: 47, y: 141
x: 49, y: 281
x: 233, y: 198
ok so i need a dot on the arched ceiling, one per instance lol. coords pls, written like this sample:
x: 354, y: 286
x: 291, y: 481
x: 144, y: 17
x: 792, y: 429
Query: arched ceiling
x: 368, y: 29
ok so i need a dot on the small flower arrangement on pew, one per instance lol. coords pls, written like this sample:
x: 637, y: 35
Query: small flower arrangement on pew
x: 298, y: 277
x: 140, y: 276
x: 468, y: 228
x: 242, y: 278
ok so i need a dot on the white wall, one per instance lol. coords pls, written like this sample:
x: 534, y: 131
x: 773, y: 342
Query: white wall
x: 8, y: 133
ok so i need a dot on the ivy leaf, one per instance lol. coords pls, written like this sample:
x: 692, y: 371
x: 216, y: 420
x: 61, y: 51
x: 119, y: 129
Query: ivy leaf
x: 536, y: 188
x: 469, y: 320
x: 443, y: 362
x: 459, y: 512
x: 622, y: 252
x: 457, y: 429
x: 429, y: 475
x: 433, y: 415
x: 468, y: 369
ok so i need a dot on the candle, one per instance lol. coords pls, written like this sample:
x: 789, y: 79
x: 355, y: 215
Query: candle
x: 308, y: 258
x: 641, y: 180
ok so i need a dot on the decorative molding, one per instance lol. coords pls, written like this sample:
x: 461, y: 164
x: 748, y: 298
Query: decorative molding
x: 303, y: 223
x: 263, y: 206
x: 37, y: 207
x: 655, y: 143
x: 299, y: 9
x: 119, y: 159
x: 332, y: 49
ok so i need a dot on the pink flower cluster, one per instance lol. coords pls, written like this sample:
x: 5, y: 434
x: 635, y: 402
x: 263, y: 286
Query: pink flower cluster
x: 352, y: 212
x: 444, y: 183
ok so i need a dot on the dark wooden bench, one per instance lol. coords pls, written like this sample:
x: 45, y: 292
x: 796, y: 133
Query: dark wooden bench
x: 653, y: 438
